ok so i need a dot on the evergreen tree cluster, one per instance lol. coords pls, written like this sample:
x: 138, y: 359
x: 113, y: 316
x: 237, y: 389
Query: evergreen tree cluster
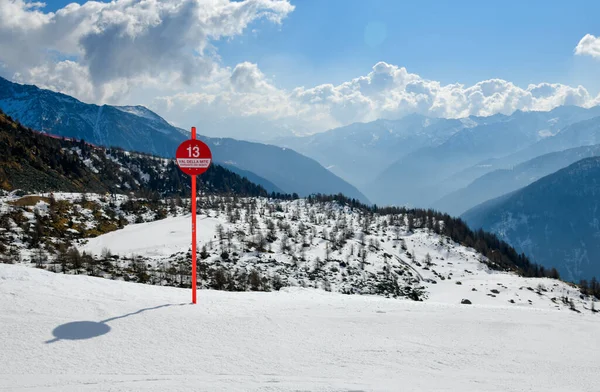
x: 591, y: 287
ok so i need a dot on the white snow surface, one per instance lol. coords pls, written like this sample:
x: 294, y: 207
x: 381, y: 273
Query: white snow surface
x: 77, y: 333
x: 152, y: 239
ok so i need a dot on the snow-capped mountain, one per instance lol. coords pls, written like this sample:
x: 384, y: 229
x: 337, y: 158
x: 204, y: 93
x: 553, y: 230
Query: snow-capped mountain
x: 359, y: 151
x: 555, y: 220
x: 585, y: 132
x: 136, y: 128
x: 416, y: 160
x: 427, y: 174
x: 131, y: 128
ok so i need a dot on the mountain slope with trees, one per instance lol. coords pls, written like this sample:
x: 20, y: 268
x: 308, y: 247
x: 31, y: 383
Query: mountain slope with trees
x: 554, y: 220
x: 502, y: 181
x: 34, y: 162
x: 136, y: 128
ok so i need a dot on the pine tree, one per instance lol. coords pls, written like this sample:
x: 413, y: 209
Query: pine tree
x: 428, y: 260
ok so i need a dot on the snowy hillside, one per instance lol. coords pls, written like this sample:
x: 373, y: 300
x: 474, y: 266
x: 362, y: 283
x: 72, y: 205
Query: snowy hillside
x: 75, y: 333
x: 261, y: 244
x: 332, y: 248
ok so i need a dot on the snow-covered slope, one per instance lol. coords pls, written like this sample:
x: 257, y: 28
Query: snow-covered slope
x: 75, y: 333
x: 262, y: 244
x: 324, y: 249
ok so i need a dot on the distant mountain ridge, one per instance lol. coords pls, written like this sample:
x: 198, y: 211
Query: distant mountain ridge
x: 423, y: 176
x: 359, y: 151
x: 585, y: 132
x: 137, y: 128
x: 555, y: 220
x: 501, y: 181
x: 416, y: 160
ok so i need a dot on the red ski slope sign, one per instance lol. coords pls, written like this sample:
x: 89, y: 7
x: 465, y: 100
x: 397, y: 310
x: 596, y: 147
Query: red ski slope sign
x: 193, y: 157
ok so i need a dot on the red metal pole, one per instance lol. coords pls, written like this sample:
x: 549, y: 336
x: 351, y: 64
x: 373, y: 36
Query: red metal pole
x: 193, y: 230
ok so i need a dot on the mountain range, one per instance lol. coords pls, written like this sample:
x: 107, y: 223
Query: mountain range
x: 502, y: 181
x: 418, y: 160
x: 359, y: 151
x: 136, y: 128
x: 451, y: 165
x: 427, y: 174
x: 555, y: 220
x: 583, y: 132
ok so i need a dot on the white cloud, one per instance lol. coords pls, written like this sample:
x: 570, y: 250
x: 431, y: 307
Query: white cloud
x: 391, y: 92
x: 74, y: 79
x: 124, y: 41
x: 247, y: 78
x: 387, y: 91
x: 589, y: 45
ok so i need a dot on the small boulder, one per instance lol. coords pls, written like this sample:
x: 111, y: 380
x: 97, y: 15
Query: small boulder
x: 465, y: 302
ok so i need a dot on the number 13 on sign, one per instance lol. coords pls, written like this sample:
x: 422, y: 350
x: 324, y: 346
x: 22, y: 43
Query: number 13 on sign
x: 193, y: 151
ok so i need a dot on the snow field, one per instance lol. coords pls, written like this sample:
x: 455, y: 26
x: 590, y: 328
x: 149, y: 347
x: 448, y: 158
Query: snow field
x: 296, y: 339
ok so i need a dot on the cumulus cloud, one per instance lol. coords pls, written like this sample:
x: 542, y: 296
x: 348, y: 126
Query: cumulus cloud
x: 388, y: 91
x: 61, y: 76
x: 243, y: 91
x: 247, y: 78
x: 589, y: 46
x: 124, y: 41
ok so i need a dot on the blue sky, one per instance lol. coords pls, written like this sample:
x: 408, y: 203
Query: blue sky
x: 466, y: 41
x: 520, y: 41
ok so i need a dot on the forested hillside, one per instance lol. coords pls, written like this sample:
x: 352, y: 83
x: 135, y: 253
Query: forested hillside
x: 34, y: 162
x: 554, y: 220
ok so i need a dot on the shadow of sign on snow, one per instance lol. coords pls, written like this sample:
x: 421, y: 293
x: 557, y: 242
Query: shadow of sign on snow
x: 81, y: 330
